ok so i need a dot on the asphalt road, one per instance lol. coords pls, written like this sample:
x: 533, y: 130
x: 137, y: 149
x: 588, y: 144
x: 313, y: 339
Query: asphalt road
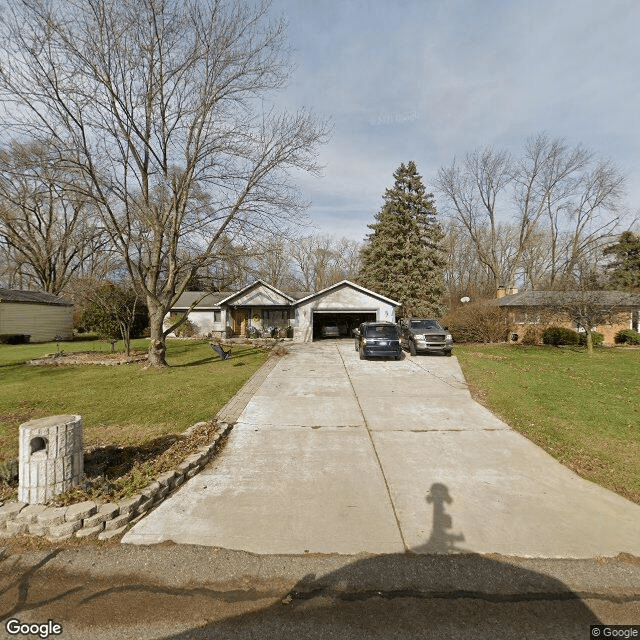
x: 179, y: 592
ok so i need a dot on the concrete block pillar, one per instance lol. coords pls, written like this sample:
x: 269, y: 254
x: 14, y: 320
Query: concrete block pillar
x: 50, y: 457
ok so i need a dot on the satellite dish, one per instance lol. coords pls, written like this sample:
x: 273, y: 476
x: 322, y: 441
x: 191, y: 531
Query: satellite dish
x: 465, y: 299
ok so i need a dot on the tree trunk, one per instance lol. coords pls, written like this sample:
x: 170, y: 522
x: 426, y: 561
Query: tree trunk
x: 589, y: 342
x: 157, y: 343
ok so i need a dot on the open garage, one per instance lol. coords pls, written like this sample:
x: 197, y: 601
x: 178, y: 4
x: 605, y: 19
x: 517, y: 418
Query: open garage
x: 344, y: 305
x: 346, y: 321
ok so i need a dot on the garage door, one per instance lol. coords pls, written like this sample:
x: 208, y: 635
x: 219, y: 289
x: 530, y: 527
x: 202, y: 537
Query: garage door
x: 346, y: 321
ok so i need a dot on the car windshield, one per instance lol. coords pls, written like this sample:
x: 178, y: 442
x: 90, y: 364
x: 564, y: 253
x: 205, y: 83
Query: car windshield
x: 425, y: 325
x: 378, y: 331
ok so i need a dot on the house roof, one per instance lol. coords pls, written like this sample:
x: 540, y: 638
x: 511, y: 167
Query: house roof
x: 32, y: 297
x: 210, y: 300
x: 353, y: 285
x: 544, y: 298
x: 251, y: 286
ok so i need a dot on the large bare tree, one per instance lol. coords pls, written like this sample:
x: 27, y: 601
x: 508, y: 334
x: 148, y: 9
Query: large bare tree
x: 553, y: 192
x: 163, y: 108
x: 50, y: 233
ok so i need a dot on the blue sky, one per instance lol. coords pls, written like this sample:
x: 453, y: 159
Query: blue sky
x: 428, y: 81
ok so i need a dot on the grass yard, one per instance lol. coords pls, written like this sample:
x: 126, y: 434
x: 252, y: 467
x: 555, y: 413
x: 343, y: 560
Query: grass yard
x: 124, y: 404
x: 583, y: 410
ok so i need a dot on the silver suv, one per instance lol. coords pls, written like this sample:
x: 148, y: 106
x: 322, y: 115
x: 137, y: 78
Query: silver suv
x: 424, y: 335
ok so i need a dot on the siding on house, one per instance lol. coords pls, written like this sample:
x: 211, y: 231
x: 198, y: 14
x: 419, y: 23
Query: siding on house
x: 43, y: 322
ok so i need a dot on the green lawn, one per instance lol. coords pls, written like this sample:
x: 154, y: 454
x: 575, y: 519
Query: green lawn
x: 584, y: 410
x: 123, y: 404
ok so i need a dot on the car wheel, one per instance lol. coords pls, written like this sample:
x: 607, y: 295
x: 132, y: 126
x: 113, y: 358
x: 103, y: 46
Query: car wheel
x: 399, y: 356
x: 412, y: 348
x: 448, y: 353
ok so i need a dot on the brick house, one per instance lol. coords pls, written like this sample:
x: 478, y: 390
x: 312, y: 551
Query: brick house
x: 544, y: 308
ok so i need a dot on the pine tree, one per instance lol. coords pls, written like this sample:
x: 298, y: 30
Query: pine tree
x: 624, y: 270
x: 403, y: 257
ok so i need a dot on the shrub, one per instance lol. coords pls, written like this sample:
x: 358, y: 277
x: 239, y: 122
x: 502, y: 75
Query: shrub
x: 478, y: 322
x: 560, y: 336
x: 112, y: 308
x: 532, y: 335
x: 186, y: 330
x: 627, y: 336
x: 14, y: 338
x: 596, y: 339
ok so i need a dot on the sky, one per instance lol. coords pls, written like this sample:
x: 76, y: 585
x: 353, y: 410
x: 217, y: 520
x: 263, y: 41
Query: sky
x: 432, y: 80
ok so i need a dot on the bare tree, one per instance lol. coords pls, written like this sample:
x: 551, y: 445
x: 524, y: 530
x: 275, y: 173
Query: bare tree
x: 161, y: 106
x: 50, y: 233
x: 553, y: 192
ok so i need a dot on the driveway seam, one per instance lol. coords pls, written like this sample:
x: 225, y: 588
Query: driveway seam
x: 375, y: 451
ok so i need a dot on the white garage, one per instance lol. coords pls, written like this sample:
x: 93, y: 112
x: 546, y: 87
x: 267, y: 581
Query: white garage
x: 344, y: 304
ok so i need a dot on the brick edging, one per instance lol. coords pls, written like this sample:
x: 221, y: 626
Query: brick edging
x: 107, y: 520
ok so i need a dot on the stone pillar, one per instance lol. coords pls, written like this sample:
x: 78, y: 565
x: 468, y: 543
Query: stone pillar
x: 51, y: 457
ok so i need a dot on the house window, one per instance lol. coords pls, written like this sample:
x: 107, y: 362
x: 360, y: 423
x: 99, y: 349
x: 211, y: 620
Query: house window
x: 275, y: 318
x: 217, y: 315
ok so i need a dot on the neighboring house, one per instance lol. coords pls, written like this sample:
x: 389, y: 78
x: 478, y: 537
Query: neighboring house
x: 43, y: 316
x: 549, y: 308
x: 262, y: 306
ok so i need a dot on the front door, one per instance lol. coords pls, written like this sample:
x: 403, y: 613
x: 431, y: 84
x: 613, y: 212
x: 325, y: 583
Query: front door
x: 240, y: 322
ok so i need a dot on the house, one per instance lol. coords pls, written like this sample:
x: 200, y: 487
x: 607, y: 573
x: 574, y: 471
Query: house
x: 530, y: 308
x: 43, y: 316
x: 260, y: 306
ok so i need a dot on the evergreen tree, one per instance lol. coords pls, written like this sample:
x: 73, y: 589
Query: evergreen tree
x: 624, y: 269
x: 403, y: 257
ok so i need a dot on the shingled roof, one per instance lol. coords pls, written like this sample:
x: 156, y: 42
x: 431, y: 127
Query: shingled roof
x: 545, y: 298
x: 32, y: 297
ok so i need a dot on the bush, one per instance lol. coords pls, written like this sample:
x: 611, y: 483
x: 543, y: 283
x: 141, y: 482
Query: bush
x: 532, y: 335
x: 478, y: 322
x: 14, y: 338
x: 186, y: 330
x: 560, y: 336
x: 110, y: 306
x: 627, y: 336
x: 596, y: 339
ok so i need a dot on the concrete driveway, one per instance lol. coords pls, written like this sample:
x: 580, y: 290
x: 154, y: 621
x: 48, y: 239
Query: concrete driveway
x: 337, y: 455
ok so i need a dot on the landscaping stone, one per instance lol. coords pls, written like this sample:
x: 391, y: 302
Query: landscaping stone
x: 108, y: 520
x: 151, y: 490
x: 85, y: 532
x: 118, y: 522
x: 183, y: 467
x: 52, y: 516
x: 30, y: 513
x: 80, y: 510
x: 63, y: 531
x: 160, y: 496
x: 107, y: 534
x: 10, y: 510
x: 36, y: 529
x: 166, y: 479
x: 105, y: 512
x: 130, y: 504
x: 14, y: 527
x: 145, y: 506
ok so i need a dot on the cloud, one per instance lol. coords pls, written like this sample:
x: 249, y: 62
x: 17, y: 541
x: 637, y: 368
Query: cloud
x: 430, y: 80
